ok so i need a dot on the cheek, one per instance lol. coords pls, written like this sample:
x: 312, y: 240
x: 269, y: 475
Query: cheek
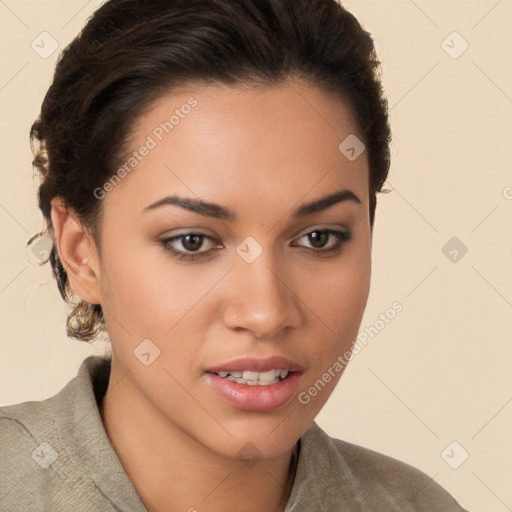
x: 149, y: 293
x: 339, y: 304
x: 339, y: 294
x: 337, y: 300
x: 348, y: 297
x: 136, y: 289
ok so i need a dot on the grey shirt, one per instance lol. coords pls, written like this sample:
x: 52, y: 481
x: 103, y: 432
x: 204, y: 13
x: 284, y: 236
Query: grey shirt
x: 55, y: 455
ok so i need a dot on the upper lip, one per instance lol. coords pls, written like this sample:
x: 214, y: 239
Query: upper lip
x: 257, y: 365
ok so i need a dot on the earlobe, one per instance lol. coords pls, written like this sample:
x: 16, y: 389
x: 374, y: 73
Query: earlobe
x: 77, y: 252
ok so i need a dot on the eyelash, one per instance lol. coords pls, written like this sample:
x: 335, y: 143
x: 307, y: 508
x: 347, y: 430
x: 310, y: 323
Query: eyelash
x: 341, y: 236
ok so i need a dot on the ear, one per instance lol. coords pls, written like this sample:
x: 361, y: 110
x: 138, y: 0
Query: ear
x: 77, y: 252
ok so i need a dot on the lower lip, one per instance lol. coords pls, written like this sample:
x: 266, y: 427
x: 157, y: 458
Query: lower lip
x: 256, y: 398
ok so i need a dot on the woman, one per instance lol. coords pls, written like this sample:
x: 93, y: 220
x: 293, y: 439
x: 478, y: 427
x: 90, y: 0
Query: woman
x: 209, y: 177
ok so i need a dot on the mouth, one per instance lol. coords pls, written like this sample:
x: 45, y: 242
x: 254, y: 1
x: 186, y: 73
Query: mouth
x: 256, y: 365
x: 256, y: 385
x: 253, y: 378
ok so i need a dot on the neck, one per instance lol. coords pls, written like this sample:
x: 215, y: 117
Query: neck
x: 172, y: 471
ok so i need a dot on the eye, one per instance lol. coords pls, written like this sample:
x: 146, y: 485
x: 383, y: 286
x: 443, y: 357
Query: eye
x: 319, y: 239
x: 187, y: 245
x: 191, y: 246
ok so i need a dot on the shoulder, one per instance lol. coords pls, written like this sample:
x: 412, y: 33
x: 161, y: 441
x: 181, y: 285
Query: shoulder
x: 27, y: 440
x: 376, y: 479
x: 22, y: 425
x: 40, y: 467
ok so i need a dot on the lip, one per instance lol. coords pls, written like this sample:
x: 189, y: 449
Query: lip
x: 256, y: 398
x: 255, y: 364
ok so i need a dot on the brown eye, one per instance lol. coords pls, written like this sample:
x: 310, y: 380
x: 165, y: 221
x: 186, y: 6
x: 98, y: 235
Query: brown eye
x: 192, y: 242
x: 190, y: 246
x: 318, y: 240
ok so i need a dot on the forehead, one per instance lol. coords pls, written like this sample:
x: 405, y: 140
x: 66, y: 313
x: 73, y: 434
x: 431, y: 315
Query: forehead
x: 275, y: 142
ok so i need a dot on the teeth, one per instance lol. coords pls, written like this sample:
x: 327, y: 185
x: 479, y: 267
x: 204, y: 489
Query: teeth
x: 270, y: 375
x: 250, y: 375
x: 268, y: 382
x: 251, y: 378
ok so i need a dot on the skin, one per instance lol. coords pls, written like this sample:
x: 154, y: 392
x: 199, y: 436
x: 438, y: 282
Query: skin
x: 262, y: 153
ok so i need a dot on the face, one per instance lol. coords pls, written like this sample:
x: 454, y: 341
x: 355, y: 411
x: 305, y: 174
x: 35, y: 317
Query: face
x: 218, y: 257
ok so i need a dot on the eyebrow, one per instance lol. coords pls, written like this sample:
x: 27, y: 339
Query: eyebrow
x: 221, y: 212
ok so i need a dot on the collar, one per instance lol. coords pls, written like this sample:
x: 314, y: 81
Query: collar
x: 86, y: 441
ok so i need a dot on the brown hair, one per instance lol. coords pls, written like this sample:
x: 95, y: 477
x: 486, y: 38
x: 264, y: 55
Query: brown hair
x: 133, y: 51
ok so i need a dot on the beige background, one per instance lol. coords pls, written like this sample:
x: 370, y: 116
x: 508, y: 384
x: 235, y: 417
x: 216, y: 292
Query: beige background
x: 441, y: 370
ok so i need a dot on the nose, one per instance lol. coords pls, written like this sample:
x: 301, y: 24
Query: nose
x: 261, y: 299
